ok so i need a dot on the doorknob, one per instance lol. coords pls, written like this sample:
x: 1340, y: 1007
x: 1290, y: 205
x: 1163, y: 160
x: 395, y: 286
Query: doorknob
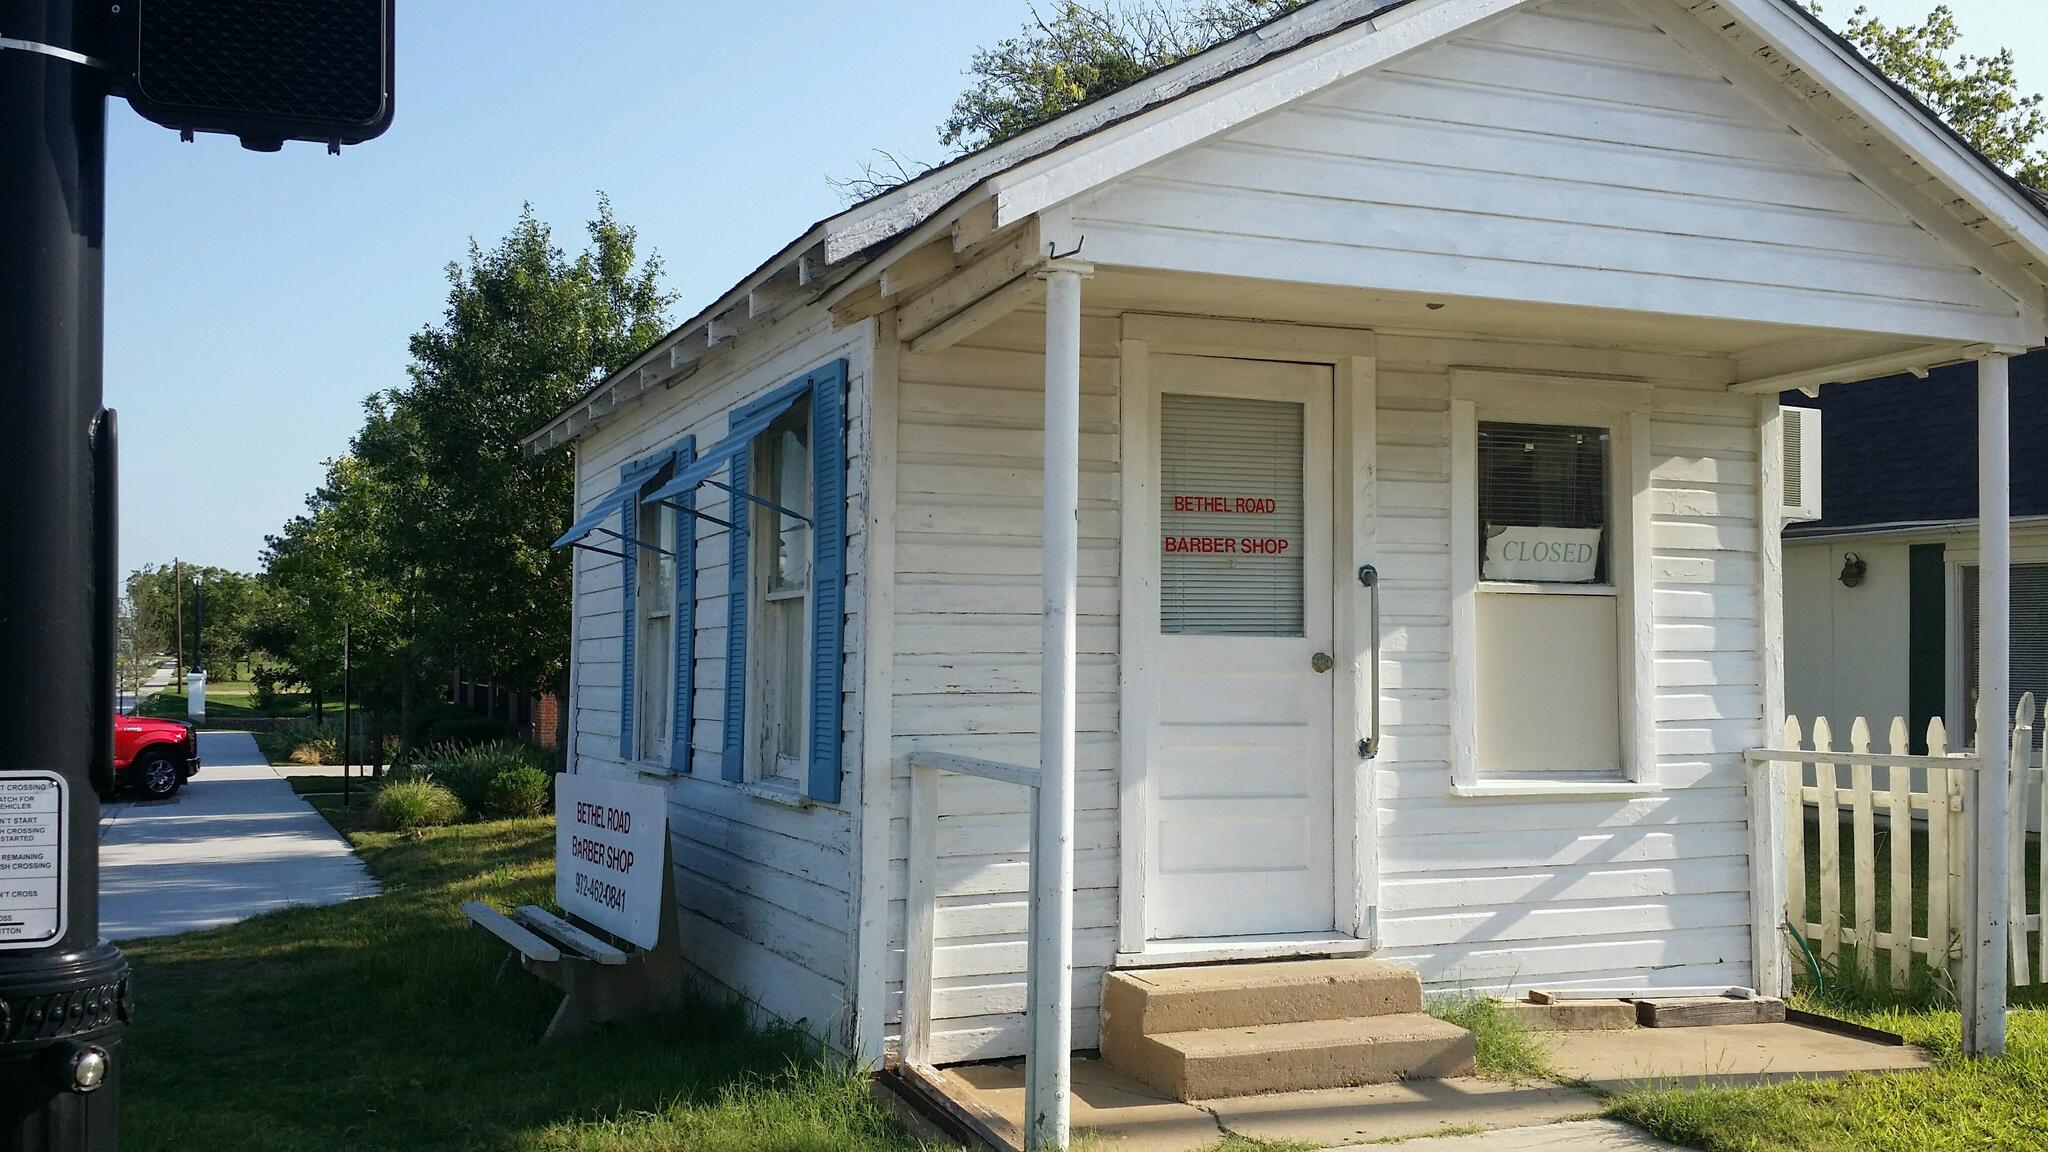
x: 1320, y: 661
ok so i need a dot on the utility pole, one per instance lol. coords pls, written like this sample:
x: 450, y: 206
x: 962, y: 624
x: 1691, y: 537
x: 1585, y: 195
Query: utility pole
x: 178, y: 591
x: 63, y: 991
x: 65, y: 994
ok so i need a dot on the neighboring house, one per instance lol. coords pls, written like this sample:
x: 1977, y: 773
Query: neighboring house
x: 1881, y: 591
x: 1420, y: 383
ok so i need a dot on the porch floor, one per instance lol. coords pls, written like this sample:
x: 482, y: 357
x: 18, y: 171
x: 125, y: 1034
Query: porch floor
x: 1131, y: 1117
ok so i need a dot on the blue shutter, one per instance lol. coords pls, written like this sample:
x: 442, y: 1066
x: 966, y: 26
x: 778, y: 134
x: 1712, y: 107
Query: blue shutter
x: 737, y: 594
x: 828, y: 573
x: 685, y: 647
x: 629, y: 570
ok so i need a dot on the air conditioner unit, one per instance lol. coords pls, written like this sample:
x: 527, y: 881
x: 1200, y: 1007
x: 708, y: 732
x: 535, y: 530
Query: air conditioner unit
x: 1802, y: 463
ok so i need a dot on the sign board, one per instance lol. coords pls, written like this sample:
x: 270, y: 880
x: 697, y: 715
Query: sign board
x: 34, y: 814
x: 610, y: 838
x: 1542, y: 555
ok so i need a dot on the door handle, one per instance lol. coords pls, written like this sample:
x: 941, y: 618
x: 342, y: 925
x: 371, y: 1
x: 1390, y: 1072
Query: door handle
x: 1369, y: 576
x: 1320, y: 662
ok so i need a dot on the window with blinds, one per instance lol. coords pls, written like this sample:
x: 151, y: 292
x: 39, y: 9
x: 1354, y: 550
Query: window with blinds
x: 1543, y: 503
x: 1231, y: 516
x: 2029, y: 614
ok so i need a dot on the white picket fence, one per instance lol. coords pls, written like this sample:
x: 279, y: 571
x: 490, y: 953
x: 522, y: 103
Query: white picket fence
x: 1929, y: 792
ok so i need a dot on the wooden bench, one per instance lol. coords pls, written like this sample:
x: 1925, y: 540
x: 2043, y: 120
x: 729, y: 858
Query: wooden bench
x: 600, y: 981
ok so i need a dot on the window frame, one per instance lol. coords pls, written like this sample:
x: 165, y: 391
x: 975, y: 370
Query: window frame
x: 648, y: 749
x: 763, y: 650
x: 1959, y: 656
x: 1622, y: 408
x: 637, y: 477
x: 827, y: 389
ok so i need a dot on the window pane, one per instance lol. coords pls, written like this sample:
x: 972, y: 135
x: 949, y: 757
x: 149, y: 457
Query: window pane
x: 788, y: 740
x: 2029, y: 623
x: 1230, y: 516
x: 1543, y: 503
x: 789, y: 484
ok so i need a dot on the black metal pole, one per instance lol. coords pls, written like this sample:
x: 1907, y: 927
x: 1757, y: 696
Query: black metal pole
x: 345, y: 797
x: 64, y: 994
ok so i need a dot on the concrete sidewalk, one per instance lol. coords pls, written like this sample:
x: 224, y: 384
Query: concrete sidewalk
x: 235, y: 842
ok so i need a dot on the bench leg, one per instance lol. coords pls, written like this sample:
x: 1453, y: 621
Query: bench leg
x: 570, y: 1020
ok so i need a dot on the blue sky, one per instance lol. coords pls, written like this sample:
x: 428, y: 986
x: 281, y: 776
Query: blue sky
x: 254, y: 300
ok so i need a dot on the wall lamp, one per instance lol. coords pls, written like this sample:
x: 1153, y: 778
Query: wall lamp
x: 1853, y: 568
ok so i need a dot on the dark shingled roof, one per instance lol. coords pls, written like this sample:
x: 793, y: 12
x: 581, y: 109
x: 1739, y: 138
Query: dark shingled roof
x: 1904, y: 451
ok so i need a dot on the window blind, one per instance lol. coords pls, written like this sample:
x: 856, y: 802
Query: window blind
x: 1231, y: 516
x: 2029, y: 615
x: 1542, y: 476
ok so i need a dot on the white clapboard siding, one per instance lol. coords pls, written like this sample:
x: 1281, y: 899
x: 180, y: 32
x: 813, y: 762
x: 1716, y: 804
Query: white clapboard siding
x: 766, y: 891
x: 1588, y: 891
x: 1569, y: 153
x: 966, y: 671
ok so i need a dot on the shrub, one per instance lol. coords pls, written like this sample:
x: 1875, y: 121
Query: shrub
x: 267, y: 680
x: 517, y: 792
x: 469, y: 770
x: 404, y: 805
x: 312, y: 741
x: 467, y: 729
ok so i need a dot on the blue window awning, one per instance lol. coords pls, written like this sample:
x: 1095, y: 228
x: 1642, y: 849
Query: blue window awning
x: 593, y: 520
x: 719, y: 455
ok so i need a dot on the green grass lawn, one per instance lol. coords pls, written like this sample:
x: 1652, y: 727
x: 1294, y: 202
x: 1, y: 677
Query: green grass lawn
x: 225, y: 698
x: 1961, y: 1105
x: 380, y: 1024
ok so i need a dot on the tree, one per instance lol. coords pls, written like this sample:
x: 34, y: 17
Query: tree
x: 1083, y: 50
x: 1977, y: 95
x: 527, y: 331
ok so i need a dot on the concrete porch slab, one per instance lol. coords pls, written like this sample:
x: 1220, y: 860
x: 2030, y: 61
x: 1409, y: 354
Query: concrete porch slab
x: 1719, y: 1054
x: 1129, y: 1116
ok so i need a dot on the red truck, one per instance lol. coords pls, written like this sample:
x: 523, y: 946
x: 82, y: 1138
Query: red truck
x: 153, y: 758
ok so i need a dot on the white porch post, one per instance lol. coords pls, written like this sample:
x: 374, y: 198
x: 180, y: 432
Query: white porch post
x: 1984, y: 957
x: 1047, y: 1106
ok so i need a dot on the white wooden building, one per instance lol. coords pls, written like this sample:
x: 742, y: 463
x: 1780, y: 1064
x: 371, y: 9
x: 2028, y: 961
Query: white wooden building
x: 1412, y: 583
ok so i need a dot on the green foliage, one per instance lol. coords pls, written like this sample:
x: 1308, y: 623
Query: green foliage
x: 406, y: 805
x: 518, y: 792
x: 430, y: 536
x: 467, y: 729
x: 469, y: 770
x: 1977, y: 95
x: 220, y: 606
x: 1506, y: 1051
x: 1082, y: 49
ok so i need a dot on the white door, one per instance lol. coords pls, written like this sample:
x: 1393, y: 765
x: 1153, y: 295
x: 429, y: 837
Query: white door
x: 1239, y: 780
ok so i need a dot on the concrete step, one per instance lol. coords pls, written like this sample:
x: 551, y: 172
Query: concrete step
x: 1145, y: 1002
x: 1294, y: 1056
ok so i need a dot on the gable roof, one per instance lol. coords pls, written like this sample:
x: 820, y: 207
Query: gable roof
x: 1902, y: 453
x: 1290, y: 56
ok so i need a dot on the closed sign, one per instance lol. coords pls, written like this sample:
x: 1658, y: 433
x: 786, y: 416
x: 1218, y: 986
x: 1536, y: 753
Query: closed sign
x: 1542, y: 555
x: 609, y: 840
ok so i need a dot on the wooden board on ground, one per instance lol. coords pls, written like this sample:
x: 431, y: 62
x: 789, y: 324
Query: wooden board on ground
x: 1702, y: 1011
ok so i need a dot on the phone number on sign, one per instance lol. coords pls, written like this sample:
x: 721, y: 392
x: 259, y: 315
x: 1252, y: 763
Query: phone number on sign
x: 598, y: 891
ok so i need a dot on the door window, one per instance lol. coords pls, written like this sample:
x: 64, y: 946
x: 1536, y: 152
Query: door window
x: 1230, y: 515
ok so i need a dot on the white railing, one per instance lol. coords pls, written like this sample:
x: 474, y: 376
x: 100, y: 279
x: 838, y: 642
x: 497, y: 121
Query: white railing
x: 1043, y: 989
x: 1932, y: 793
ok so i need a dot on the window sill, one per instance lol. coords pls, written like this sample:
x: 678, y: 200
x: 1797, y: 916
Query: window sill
x: 785, y: 795
x: 1538, y: 787
x: 656, y: 772
x: 1528, y: 588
